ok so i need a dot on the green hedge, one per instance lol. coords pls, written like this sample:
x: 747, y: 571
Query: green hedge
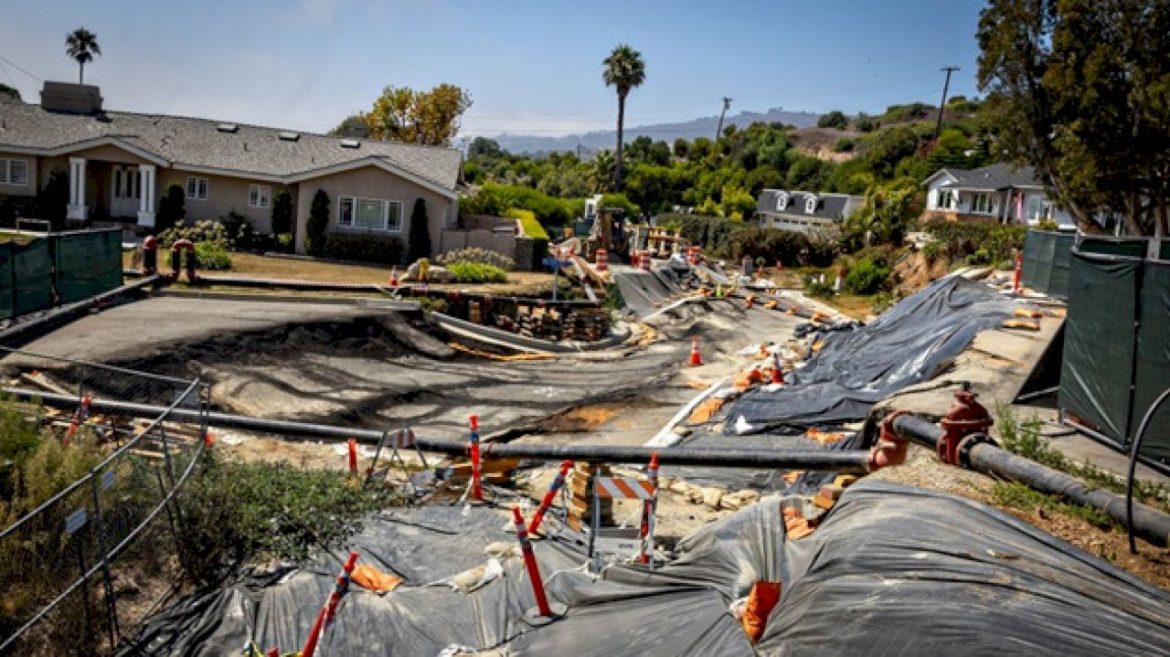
x: 528, y: 221
x: 366, y: 248
x: 477, y: 272
x: 770, y: 244
x: 979, y: 242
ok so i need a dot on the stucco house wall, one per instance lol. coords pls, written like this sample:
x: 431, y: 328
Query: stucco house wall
x: 224, y: 195
x: 373, y: 183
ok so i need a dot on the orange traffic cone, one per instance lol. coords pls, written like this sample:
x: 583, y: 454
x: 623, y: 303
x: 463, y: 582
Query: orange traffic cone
x: 394, y: 277
x: 777, y: 373
x: 696, y: 360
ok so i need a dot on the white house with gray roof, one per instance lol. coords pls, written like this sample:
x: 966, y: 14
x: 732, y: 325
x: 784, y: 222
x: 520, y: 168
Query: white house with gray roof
x: 1000, y: 192
x: 119, y: 163
x: 804, y: 212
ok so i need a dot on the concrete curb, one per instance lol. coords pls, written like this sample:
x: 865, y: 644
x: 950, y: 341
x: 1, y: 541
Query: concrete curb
x: 523, y: 343
x: 279, y: 298
x: 56, y: 318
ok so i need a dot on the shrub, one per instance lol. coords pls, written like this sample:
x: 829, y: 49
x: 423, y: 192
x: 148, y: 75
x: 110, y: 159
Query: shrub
x: 843, y: 145
x: 420, y: 232
x: 241, y: 234
x: 171, y: 210
x: 528, y: 223
x: 882, y: 302
x: 211, y: 256
x: 205, y: 231
x: 712, y: 233
x: 866, y: 277
x: 476, y: 254
x: 476, y: 272
x: 815, y: 288
x: 961, y: 239
x: 53, y: 198
x: 768, y: 244
x: 821, y: 251
x: 835, y: 119
x: 365, y: 248
x: 282, y: 212
x: 317, y: 224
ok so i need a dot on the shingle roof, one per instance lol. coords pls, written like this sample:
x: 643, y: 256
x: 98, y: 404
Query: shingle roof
x: 829, y: 206
x: 995, y: 177
x: 197, y: 142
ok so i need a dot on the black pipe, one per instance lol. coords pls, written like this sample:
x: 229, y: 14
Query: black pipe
x: 845, y: 461
x: 1148, y: 522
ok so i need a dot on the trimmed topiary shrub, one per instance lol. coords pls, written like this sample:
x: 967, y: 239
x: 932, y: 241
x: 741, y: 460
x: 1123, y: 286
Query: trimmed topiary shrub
x: 171, y: 209
x: 420, y: 234
x: 317, y: 224
x: 476, y: 254
x: 365, y: 248
x: 212, y: 256
x: 282, y: 212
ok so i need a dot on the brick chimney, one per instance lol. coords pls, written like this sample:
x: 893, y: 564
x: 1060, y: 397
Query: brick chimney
x: 69, y: 98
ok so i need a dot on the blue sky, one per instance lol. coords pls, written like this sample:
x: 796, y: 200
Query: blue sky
x: 531, y: 66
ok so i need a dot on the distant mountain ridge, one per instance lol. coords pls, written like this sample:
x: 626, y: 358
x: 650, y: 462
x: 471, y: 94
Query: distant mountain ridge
x: 668, y: 132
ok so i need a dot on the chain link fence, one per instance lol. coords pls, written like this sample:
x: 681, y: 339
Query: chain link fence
x: 90, y: 515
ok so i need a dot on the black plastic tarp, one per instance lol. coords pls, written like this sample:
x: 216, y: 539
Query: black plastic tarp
x: 26, y: 277
x: 1152, y: 373
x: 892, y: 570
x: 909, y: 343
x: 645, y: 292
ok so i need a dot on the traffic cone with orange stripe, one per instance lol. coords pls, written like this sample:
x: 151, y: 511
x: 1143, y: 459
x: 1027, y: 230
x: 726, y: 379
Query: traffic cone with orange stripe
x: 696, y: 360
x: 394, y: 277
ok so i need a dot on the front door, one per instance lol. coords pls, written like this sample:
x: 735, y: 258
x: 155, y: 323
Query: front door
x: 126, y: 191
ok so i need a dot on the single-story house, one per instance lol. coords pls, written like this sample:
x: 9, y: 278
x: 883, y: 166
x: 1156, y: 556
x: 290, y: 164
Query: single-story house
x: 1000, y: 192
x: 120, y: 163
x: 804, y: 212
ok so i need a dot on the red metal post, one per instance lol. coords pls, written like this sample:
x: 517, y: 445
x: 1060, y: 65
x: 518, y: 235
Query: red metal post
x: 325, y: 616
x: 551, y: 495
x: 530, y: 563
x: 476, y: 483
x: 1018, y: 273
x: 352, y: 456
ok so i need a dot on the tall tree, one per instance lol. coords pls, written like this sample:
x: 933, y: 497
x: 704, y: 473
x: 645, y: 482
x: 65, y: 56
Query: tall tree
x: 1080, y: 89
x: 82, y: 45
x: 419, y: 117
x: 624, y: 70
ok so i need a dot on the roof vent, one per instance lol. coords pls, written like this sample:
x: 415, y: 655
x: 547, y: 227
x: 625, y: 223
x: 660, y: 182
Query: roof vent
x: 227, y: 127
x: 350, y: 143
x: 288, y: 136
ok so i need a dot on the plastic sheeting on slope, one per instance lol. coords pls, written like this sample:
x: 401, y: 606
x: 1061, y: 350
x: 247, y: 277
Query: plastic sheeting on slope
x: 890, y: 570
x: 643, y: 292
x: 896, y: 570
x: 910, y: 343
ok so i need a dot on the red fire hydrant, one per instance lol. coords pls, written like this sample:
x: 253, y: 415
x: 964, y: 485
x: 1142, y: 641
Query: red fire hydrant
x: 965, y: 417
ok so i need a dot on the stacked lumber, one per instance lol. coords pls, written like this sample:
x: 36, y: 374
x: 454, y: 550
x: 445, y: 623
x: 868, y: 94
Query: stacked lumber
x: 580, y: 486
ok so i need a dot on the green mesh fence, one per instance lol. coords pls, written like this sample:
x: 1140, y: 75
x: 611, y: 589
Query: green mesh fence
x: 1046, y: 261
x: 26, y: 277
x: 1152, y: 372
x: 88, y: 263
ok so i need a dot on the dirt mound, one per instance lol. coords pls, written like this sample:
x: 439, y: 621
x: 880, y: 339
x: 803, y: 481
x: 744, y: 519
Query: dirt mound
x: 914, y: 272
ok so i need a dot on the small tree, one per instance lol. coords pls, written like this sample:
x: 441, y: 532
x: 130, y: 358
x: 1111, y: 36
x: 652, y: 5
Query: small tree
x: 282, y: 212
x: 420, y: 234
x: 318, y: 222
x: 171, y: 209
x: 835, y: 119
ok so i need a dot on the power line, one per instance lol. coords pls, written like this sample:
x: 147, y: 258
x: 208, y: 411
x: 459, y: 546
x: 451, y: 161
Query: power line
x: 21, y: 69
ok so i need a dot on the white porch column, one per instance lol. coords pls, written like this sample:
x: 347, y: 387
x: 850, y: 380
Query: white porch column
x: 146, y: 204
x: 77, y: 208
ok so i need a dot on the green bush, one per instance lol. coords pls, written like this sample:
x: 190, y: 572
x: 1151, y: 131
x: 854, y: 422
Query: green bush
x: 241, y: 234
x: 206, y: 231
x: 528, y: 222
x: 212, y: 256
x: 477, y: 272
x: 712, y: 233
x: 53, y: 199
x: 363, y: 247
x: 282, y: 212
x: 960, y: 239
x: 238, y: 512
x: 813, y: 287
x: 475, y: 254
x: 171, y: 209
x: 317, y: 224
x: 866, y: 277
x: 768, y: 244
x: 420, y: 231
x: 882, y: 302
x: 844, y: 145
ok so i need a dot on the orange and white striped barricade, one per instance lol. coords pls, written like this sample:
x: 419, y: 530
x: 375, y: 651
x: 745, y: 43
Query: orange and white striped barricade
x: 620, y: 488
x: 401, y: 439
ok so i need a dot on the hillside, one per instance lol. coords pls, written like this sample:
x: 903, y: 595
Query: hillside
x: 668, y: 132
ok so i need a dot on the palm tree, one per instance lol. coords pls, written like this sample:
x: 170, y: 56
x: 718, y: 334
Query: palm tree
x: 82, y: 45
x: 624, y: 69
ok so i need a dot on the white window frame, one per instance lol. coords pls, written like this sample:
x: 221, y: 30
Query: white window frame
x: 6, y: 172
x: 355, y: 201
x: 782, y: 202
x: 810, y: 205
x: 193, y: 191
x: 947, y: 200
x: 262, y: 198
x: 989, y: 208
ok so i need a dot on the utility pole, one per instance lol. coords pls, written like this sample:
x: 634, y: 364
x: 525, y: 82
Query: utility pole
x: 946, y: 85
x: 726, y: 104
